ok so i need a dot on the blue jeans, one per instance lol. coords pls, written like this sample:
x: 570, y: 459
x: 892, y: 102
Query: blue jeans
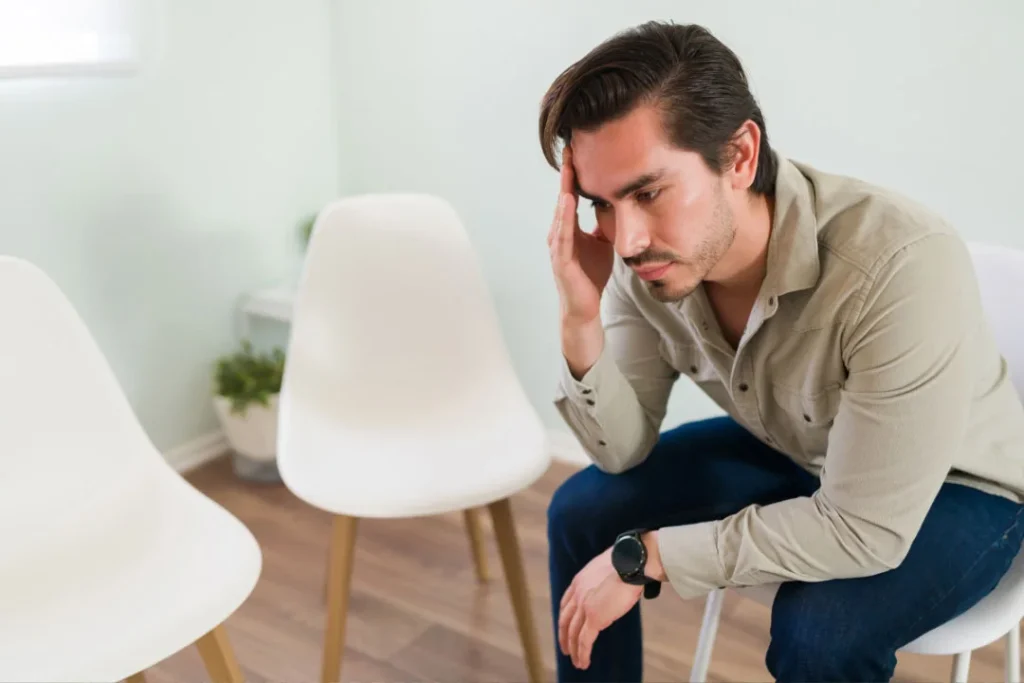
x: 837, y: 630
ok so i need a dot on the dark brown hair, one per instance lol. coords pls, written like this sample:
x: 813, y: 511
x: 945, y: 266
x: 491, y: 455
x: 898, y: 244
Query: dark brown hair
x: 697, y: 82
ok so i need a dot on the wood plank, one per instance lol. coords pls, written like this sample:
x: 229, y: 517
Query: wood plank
x: 442, y: 654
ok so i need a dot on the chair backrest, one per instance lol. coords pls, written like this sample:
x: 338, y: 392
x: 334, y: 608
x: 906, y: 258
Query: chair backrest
x: 1000, y: 272
x: 392, y: 314
x: 66, y: 428
x: 73, y: 457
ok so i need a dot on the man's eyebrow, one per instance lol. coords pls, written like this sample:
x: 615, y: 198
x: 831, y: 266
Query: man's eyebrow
x: 627, y: 189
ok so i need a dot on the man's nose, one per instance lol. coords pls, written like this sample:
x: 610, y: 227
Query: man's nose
x: 631, y: 235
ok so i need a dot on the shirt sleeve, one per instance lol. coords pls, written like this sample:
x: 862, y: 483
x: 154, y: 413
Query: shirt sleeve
x: 616, y: 409
x: 902, y: 418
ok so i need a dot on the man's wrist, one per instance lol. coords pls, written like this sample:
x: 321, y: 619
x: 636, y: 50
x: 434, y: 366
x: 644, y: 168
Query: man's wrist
x: 582, y: 344
x: 654, y: 568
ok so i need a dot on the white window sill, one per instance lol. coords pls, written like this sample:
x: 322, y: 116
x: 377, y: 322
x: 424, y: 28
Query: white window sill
x: 80, y: 69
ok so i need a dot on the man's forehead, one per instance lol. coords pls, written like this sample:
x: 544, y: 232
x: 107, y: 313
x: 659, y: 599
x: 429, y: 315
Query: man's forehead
x: 615, y: 146
x: 619, y: 150
x: 603, y: 171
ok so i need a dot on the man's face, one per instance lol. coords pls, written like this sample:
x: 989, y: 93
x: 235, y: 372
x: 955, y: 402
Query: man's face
x: 666, y: 212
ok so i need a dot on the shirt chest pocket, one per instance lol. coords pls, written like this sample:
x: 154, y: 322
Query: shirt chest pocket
x: 805, y: 417
x: 689, y: 361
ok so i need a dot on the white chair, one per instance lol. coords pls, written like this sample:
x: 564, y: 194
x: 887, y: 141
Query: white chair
x: 111, y: 561
x: 1000, y: 274
x: 399, y: 397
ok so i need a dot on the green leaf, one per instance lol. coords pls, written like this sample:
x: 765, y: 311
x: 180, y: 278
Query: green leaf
x: 247, y: 376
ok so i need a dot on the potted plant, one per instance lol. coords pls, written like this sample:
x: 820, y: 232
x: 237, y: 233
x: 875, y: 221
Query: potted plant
x: 247, y: 388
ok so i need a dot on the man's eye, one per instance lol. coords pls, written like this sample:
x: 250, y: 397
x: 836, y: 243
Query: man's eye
x: 647, y: 195
x: 598, y: 205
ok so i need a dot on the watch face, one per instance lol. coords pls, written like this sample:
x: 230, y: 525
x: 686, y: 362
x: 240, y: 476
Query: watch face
x: 628, y: 555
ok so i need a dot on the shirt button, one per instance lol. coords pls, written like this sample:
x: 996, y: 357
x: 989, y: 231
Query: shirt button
x: 590, y: 402
x: 693, y: 369
x: 743, y: 386
x: 807, y: 418
x: 601, y: 443
x: 585, y: 391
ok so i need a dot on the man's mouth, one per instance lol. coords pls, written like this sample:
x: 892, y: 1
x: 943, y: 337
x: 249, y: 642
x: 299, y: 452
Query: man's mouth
x: 652, y: 272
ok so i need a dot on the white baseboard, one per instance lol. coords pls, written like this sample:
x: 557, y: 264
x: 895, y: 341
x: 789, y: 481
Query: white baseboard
x: 565, y: 448
x: 190, y: 455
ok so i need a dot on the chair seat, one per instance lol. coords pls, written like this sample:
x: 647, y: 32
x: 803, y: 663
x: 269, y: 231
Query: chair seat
x: 410, y: 469
x: 104, y: 611
x: 984, y: 623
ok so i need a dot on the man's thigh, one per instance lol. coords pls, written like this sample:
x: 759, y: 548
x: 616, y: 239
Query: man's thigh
x: 698, y: 471
x: 967, y: 542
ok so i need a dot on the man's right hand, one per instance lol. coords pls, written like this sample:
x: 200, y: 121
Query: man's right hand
x: 582, y: 264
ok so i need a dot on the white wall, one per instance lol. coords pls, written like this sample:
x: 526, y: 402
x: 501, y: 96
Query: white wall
x: 442, y: 96
x: 156, y: 198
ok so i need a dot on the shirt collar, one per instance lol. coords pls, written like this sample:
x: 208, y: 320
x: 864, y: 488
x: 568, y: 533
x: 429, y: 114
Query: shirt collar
x: 792, y: 260
x: 793, y: 246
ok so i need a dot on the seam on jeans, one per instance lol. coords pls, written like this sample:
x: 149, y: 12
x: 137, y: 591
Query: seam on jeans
x: 982, y: 556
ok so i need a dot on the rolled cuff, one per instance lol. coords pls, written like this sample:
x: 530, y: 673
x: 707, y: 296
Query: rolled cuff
x: 602, y: 374
x: 689, y: 555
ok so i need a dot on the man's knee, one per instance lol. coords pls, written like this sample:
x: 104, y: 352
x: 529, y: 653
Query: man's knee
x: 578, y: 511
x: 569, y: 507
x: 814, y: 641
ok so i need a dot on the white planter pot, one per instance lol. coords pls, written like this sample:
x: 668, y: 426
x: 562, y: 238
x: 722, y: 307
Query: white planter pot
x: 253, y: 432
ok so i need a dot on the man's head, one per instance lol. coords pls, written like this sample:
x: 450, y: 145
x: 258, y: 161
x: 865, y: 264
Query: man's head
x: 668, y: 143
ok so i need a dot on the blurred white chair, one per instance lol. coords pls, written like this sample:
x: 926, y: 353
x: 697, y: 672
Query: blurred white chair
x: 111, y: 561
x: 399, y: 397
x: 1000, y: 273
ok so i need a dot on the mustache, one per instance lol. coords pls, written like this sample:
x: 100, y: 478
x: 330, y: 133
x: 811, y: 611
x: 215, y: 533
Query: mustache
x: 649, y: 256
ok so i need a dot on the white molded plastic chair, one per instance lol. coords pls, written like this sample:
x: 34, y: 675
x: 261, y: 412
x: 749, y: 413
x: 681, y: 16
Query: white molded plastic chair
x: 111, y: 561
x: 399, y: 397
x: 1000, y: 273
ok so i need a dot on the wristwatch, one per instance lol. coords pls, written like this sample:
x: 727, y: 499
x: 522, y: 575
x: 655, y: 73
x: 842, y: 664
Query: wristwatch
x: 629, y: 557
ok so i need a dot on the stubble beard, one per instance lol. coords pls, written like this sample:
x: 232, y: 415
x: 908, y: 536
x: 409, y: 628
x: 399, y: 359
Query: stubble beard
x: 709, y: 253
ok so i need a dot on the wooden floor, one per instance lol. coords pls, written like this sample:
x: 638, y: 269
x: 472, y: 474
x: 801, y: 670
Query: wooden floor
x: 417, y: 612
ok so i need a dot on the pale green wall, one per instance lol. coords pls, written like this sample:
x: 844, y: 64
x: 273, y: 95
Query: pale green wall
x: 442, y: 96
x: 155, y: 199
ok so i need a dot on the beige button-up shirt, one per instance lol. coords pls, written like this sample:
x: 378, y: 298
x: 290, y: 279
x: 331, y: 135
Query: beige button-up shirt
x: 866, y: 359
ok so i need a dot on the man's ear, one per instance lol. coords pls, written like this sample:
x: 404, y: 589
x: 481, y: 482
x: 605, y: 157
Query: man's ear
x: 744, y: 148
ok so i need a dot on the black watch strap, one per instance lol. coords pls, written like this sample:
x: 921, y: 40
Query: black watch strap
x: 652, y: 587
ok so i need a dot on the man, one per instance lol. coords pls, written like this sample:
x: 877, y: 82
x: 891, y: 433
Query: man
x: 872, y: 456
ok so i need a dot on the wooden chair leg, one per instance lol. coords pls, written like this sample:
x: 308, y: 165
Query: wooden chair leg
x: 512, y: 562
x: 136, y: 678
x: 476, y: 543
x: 215, y: 649
x: 327, y: 573
x: 339, y: 581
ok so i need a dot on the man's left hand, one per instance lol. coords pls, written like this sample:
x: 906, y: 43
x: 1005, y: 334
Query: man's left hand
x: 595, y: 599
